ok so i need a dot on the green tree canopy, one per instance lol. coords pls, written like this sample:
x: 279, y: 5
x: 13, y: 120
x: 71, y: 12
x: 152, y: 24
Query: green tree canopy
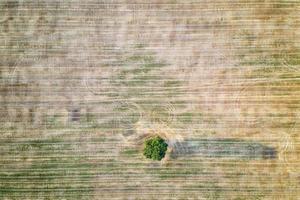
x: 155, y: 148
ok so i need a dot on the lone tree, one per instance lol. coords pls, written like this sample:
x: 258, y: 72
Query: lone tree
x: 155, y: 148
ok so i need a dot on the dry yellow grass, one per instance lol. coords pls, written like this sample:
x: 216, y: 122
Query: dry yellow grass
x: 84, y: 82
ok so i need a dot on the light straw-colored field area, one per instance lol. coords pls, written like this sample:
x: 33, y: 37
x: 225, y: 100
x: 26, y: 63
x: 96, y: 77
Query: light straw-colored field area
x: 85, y: 82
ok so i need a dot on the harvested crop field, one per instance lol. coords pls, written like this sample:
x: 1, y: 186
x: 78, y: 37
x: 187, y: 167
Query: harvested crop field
x: 84, y: 83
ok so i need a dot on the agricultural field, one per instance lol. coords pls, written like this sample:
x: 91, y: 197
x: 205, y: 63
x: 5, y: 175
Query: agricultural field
x: 84, y: 83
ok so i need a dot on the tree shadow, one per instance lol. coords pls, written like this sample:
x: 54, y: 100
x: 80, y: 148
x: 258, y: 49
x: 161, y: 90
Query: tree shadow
x: 224, y: 148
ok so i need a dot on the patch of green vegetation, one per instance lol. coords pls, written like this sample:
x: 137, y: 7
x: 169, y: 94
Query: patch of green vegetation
x: 53, y: 121
x: 178, y: 172
x: 49, y: 169
x: 189, y: 117
x: 214, y: 191
x: 288, y: 58
x: 262, y: 61
x: 173, y: 83
x: 139, y: 46
x: 130, y: 152
x: 155, y: 148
